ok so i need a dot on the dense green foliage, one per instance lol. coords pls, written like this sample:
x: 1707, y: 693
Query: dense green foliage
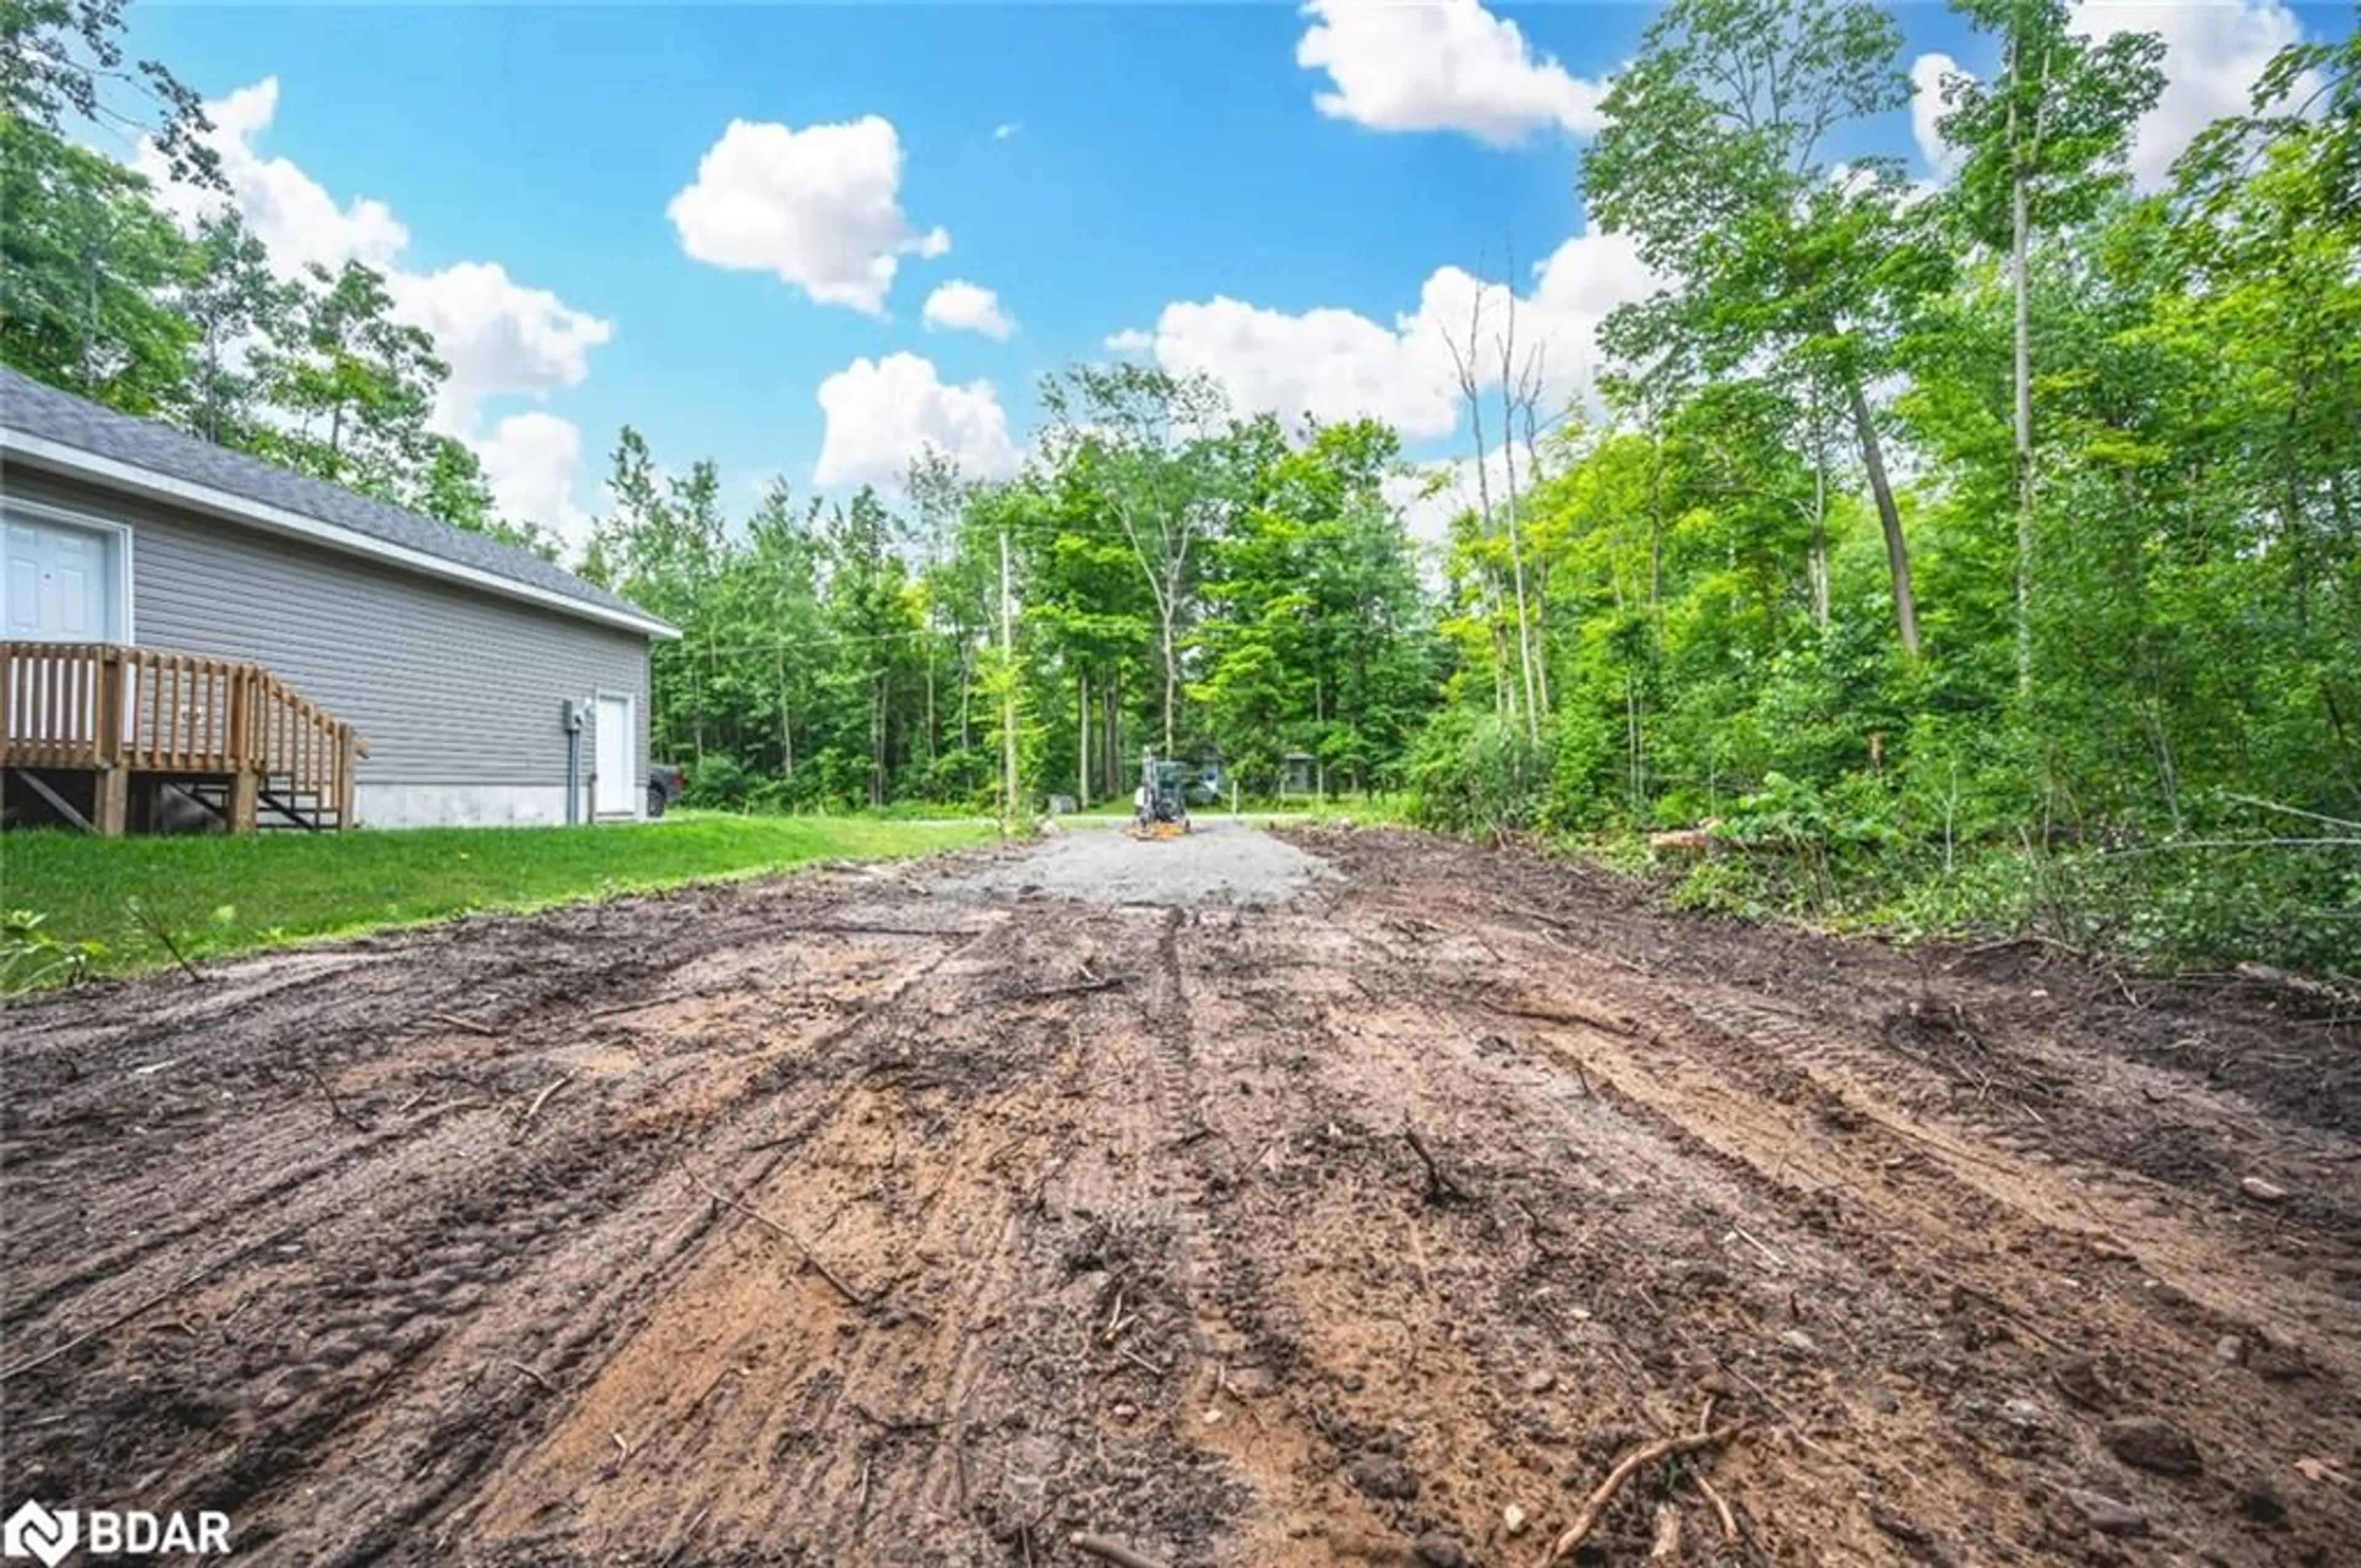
x: 1978, y: 554
x: 2130, y: 711
x: 102, y: 902
x: 1177, y: 579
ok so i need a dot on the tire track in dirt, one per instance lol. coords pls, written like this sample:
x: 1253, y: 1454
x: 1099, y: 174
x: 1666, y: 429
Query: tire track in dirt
x: 1836, y: 1068
x: 2115, y: 1216
x: 341, y: 1367
x: 1768, y: 1094
x: 930, y: 1201
x: 1142, y: 1244
x: 668, y: 1221
x: 1417, y: 1364
x: 279, y: 1060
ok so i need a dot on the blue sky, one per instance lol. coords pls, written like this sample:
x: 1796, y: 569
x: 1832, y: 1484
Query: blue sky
x: 1167, y: 170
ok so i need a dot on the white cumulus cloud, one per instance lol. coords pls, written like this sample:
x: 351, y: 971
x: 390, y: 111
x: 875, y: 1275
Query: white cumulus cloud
x: 291, y: 212
x: 1927, y: 107
x: 1331, y: 363
x: 959, y: 305
x: 497, y: 335
x: 820, y: 207
x: 1336, y: 364
x: 500, y: 337
x: 2214, y: 51
x: 1447, y: 66
x: 531, y: 461
x: 881, y: 413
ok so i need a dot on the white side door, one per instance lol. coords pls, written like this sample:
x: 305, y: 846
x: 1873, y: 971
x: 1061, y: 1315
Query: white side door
x: 64, y: 585
x: 615, y: 792
x: 59, y: 583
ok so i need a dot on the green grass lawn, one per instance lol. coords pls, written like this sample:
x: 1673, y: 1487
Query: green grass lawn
x: 219, y: 895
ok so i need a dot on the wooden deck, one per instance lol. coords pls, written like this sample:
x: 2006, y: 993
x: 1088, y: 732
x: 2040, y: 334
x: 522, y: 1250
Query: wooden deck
x: 230, y: 731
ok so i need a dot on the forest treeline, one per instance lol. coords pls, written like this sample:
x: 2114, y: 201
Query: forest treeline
x: 1983, y: 552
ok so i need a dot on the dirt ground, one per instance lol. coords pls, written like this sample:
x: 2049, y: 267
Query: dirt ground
x: 1360, y: 1202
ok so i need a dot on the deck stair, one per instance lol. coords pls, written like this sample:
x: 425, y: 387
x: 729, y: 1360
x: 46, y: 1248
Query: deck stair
x: 227, y: 734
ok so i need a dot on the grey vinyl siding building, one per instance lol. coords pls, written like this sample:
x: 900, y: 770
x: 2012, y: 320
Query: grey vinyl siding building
x: 452, y: 655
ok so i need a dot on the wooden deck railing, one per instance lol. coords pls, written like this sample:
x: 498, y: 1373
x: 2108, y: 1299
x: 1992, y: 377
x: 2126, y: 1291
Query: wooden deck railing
x: 113, y: 709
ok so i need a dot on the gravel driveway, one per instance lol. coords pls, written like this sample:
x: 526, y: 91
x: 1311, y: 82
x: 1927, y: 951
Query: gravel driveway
x: 1229, y: 863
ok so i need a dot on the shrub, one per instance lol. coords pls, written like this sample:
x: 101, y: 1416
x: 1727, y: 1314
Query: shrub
x: 1476, y: 773
x: 31, y: 956
x: 718, y: 781
x: 1584, y: 760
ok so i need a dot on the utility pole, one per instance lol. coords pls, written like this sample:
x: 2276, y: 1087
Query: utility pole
x: 1008, y: 686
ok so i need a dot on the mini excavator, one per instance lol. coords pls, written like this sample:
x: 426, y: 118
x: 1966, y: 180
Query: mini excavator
x: 1159, y: 809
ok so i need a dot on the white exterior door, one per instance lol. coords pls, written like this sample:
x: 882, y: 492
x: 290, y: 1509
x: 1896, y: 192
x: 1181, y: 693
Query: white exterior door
x: 59, y: 583
x: 615, y: 793
x: 65, y: 584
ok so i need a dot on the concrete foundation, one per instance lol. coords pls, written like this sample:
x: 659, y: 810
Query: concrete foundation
x: 466, y: 805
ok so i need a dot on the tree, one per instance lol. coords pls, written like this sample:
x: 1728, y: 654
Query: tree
x: 63, y: 60
x: 454, y: 489
x: 359, y: 383
x: 236, y: 306
x: 662, y: 545
x: 1317, y: 635
x: 1714, y: 159
x: 774, y: 597
x: 875, y: 615
x: 2045, y: 148
x: 1149, y: 447
x: 1088, y: 607
x: 960, y: 589
x: 1466, y: 364
x: 87, y: 264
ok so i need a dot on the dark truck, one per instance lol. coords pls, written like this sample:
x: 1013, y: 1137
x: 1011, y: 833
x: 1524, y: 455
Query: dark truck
x: 665, y: 783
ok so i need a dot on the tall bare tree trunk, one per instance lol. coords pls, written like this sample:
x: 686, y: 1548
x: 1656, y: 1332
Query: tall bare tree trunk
x: 1509, y: 386
x: 1468, y: 389
x: 1320, y: 720
x: 1171, y: 682
x: 1008, y: 686
x: 1114, y: 731
x: 1815, y: 566
x: 1888, y: 518
x: 787, y: 718
x: 1082, y: 740
x: 967, y: 690
x: 2021, y: 159
x: 1529, y: 393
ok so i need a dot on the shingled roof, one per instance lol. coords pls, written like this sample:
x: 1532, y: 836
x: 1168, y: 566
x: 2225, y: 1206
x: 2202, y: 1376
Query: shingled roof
x: 34, y: 409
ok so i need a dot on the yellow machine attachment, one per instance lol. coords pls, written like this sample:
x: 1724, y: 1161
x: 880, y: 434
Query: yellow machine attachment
x: 1157, y: 829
